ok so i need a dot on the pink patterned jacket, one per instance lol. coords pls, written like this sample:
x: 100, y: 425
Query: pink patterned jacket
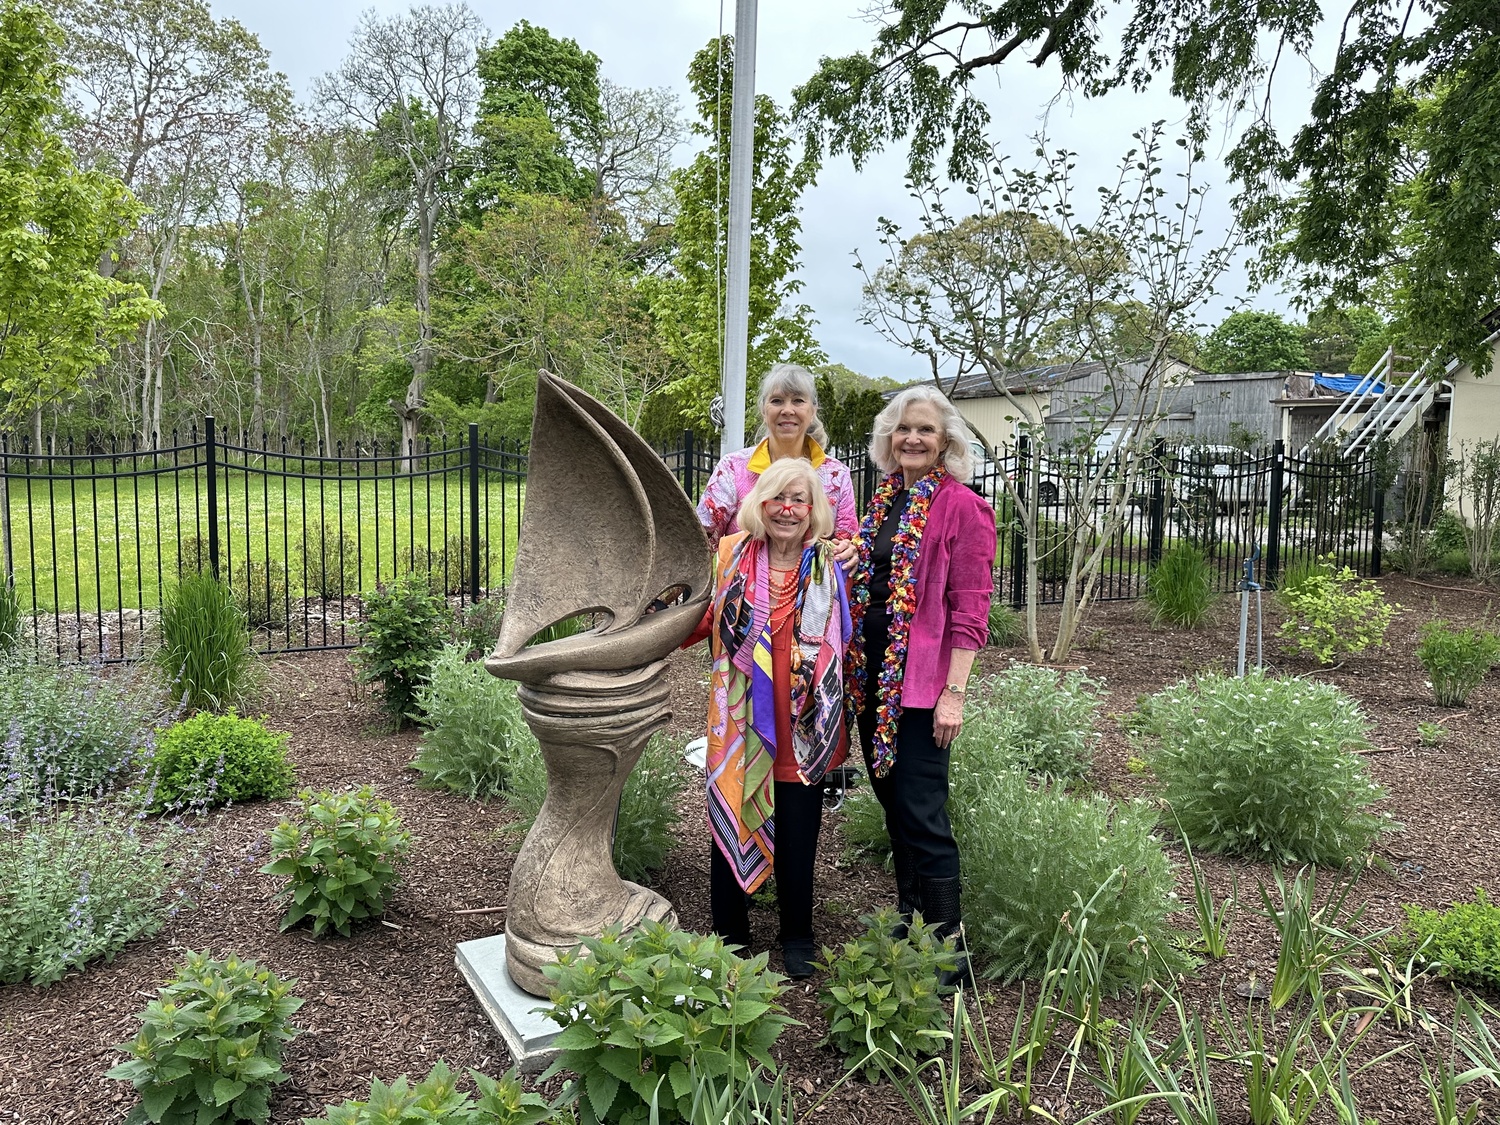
x: 735, y: 474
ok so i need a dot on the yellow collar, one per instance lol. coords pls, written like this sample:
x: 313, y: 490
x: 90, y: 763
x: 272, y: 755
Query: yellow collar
x: 760, y: 460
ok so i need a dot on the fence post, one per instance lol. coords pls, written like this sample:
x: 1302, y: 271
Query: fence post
x: 1018, y: 529
x: 1379, y: 531
x: 689, y: 464
x: 211, y: 463
x: 1273, y: 517
x: 1156, y: 511
x: 473, y: 512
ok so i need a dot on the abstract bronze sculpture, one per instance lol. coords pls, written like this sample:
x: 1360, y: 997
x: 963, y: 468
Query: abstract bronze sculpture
x: 606, y: 531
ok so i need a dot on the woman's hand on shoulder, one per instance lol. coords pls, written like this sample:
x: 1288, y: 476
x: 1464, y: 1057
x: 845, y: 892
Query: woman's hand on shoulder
x: 845, y: 550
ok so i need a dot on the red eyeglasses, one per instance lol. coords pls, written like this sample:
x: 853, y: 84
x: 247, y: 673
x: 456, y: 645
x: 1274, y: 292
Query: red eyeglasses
x: 795, y: 507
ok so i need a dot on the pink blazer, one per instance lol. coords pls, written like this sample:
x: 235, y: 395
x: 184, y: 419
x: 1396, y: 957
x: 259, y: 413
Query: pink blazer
x: 955, y: 580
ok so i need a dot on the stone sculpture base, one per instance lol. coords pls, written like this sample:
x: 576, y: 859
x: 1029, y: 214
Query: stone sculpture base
x: 592, y: 727
x: 526, y: 1033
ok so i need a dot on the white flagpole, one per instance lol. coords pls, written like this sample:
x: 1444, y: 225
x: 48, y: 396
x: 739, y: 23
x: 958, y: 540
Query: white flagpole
x: 741, y: 173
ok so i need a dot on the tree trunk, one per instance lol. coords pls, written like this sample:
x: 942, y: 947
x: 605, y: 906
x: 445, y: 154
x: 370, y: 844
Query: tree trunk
x: 410, y: 410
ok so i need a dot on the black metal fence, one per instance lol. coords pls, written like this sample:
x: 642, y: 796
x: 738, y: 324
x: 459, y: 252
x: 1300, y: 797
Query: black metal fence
x: 94, y: 537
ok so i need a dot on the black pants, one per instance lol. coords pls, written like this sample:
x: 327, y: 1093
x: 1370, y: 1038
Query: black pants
x: 915, y: 792
x: 799, y: 817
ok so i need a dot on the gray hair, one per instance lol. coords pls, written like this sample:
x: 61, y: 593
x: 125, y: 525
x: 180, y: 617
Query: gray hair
x: 958, y: 457
x: 790, y: 378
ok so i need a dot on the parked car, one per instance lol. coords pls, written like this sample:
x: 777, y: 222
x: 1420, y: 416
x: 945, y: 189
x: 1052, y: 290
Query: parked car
x: 1223, y: 473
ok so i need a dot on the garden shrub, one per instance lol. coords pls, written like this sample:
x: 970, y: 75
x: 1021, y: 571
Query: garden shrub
x: 636, y: 1010
x: 261, y: 592
x: 647, y: 818
x: 1264, y: 767
x: 205, y: 644
x: 437, y: 1100
x: 1180, y: 589
x: 1044, y: 872
x: 474, y: 727
x: 209, y: 1048
x: 1039, y: 719
x: 192, y: 556
x: 338, y: 857
x: 1007, y: 627
x: 446, y: 568
x: 1462, y: 941
x: 401, y: 631
x: 1333, y: 613
x: 213, y: 759
x: 477, y: 625
x: 1448, y: 533
x: 882, y: 992
x: 70, y: 730
x: 11, y: 631
x: 1456, y: 660
x: 80, y: 879
x: 330, y: 560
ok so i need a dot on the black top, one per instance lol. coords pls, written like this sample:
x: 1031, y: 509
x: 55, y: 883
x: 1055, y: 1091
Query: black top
x: 880, y: 553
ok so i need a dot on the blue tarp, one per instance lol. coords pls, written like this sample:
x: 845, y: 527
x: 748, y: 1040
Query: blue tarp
x: 1348, y: 384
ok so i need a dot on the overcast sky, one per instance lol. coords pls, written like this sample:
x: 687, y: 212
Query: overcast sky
x: 650, y: 42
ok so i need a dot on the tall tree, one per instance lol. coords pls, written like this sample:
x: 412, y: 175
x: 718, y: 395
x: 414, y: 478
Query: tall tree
x: 412, y: 81
x: 1250, y: 340
x: 1335, y: 337
x: 1354, y: 156
x: 58, y: 314
x: 688, y: 304
x: 166, y: 97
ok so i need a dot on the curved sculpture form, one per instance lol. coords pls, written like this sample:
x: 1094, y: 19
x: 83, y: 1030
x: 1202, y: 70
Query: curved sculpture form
x: 605, y: 530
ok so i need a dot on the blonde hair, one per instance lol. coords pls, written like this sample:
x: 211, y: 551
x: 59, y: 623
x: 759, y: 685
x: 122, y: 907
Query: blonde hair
x: 958, y: 457
x: 790, y: 378
x: 777, y: 479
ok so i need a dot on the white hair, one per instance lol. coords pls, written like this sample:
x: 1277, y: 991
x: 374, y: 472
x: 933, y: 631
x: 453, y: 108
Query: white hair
x: 957, y: 456
x: 791, y: 378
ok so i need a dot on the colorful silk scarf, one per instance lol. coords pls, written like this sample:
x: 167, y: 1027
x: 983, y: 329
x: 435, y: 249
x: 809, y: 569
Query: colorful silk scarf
x: 901, y: 605
x: 742, y: 696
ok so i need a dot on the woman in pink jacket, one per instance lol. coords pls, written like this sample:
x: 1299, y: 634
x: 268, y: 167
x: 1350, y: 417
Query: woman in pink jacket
x: 920, y: 603
x: 790, y: 428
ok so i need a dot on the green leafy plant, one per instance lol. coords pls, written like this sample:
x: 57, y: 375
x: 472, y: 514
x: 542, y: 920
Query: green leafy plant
x: 213, y: 759
x: 81, y: 878
x: 205, y: 644
x: 1432, y: 735
x: 338, y: 858
x: 474, y: 728
x: 1180, y: 589
x: 1264, y: 767
x: 1316, y: 937
x: 1047, y: 874
x: 1214, y: 918
x: 1334, y: 613
x: 437, y: 1100
x: 1035, y: 718
x: 1456, y: 660
x: 477, y: 625
x: 446, y: 569
x: 261, y: 592
x: 882, y: 992
x: 636, y: 1010
x: 1283, y: 1085
x: 330, y: 560
x: 11, y: 630
x: 1463, y: 941
x: 70, y: 730
x: 400, y: 633
x: 210, y: 1045
x: 1007, y: 627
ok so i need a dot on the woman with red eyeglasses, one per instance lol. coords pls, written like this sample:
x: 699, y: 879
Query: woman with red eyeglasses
x: 777, y: 627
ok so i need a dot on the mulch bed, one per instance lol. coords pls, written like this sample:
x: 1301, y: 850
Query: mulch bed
x: 389, y: 1000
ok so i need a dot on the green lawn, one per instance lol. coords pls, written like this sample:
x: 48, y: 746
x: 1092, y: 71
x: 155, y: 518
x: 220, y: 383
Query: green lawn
x: 85, y: 545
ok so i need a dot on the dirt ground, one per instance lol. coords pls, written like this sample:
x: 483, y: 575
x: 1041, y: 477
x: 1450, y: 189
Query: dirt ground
x: 389, y: 1000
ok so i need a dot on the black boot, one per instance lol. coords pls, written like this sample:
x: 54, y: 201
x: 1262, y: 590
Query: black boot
x: 908, y: 892
x: 798, y: 955
x: 941, y: 909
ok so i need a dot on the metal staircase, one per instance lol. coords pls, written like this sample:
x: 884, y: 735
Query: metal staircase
x: 1375, y: 410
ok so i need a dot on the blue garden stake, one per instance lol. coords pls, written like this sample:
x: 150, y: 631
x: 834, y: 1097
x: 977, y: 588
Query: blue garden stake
x: 1247, y: 584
